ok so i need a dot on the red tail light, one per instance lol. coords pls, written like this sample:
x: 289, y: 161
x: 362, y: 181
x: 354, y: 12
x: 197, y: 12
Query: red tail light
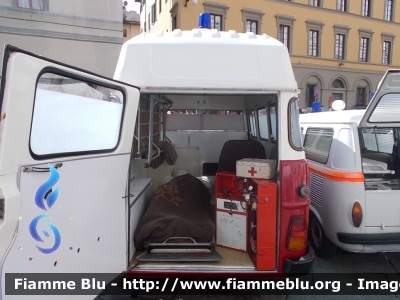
x: 297, y: 234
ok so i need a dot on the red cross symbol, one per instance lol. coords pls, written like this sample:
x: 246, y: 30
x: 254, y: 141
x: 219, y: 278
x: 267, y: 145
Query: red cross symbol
x: 252, y: 171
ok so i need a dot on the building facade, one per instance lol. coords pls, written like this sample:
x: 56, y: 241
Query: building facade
x: 131, y: 25
x: 86, y: 34
x: 339, y: 48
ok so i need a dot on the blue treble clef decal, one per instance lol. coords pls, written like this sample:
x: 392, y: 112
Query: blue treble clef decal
x: 46, y: 194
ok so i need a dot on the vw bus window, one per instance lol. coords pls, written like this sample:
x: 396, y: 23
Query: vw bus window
x: 387, y: 109
x: 272, y: 118
x: 252, y: 121
x: 317, y: 144
x: 295, y: 132
x: 73, y: 116
x: 263, y: 123
x: 378, y: 139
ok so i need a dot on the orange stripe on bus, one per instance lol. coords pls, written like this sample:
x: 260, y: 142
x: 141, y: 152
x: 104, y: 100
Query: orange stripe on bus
x: 336, y: 175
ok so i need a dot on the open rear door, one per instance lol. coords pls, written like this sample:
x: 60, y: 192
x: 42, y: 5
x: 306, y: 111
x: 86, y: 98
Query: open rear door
x: 65, y: 143
x: 379, y: 133
x: 384, y: 108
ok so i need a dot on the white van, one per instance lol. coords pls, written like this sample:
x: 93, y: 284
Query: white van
x: 353, y: 160
x: 101, y: 175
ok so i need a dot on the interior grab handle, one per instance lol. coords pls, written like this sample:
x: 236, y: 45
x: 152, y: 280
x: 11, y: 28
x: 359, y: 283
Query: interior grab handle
x: 40, y: 170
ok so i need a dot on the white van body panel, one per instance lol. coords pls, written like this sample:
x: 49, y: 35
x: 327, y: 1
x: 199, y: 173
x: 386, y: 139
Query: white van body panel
x: 159, y: 62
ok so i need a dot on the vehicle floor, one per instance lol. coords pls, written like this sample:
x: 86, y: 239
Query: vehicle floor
x: 230, y: 258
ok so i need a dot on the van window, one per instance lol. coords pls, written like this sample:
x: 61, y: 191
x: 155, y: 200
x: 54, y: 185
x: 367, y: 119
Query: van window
x: 272, y: 118
x: 317, y: 144
x: 252, y: 122
x: 387, y: 109
x: 378, y: 139
x: 295, y: 131
x: 263, y: 123
x: 72, y: 116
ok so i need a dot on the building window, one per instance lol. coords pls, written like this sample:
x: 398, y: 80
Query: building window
x: 387, y: 45
x: 124, y: 33
x: 388, y: 10
x: 366, y: 7
x: 365, y: 45
x: 218, y: 12
x: 339, y: 46
x: 316, y: 3
x: 314, y: 37
x: 312, y: 93
x: 216, y: 21
x: 342, y: 5
x: 361, y: 96
x: 285, y: 29
x: 174, y: 23
x: 337, y: 84
x: 174, y: 12
x: 33, y: 4
x: 252, y: 26
x: 386, y: 53
x: 284, y: 35
x: 153, y: 13
x: 159, y: 6
x: 341, y: 34
x: 252, y: 19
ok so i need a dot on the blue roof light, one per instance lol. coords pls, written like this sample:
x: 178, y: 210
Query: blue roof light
x: 205, y: 20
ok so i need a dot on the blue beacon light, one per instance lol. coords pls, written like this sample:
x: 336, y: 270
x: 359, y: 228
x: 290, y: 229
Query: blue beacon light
x: 205, y: 20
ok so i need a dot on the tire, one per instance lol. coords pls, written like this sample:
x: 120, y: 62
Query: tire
x: 323, y: 247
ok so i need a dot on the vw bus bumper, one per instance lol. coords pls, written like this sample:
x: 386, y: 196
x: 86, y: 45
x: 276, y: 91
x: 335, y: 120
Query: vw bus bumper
x: 303, y: 265
x: 369, y: 238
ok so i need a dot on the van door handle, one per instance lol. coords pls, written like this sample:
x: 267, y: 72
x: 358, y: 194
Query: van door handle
x: 41, y: 170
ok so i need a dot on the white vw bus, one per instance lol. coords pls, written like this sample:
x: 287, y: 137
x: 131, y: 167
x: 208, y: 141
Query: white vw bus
x: 353, y: 160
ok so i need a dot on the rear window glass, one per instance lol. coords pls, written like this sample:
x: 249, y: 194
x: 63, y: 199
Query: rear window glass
x: 378, y: 139
x: 73, y: 116
x: 263, y: 123
x: 387, y: 109
x: 252, y: 123
x: 272, y: 118
x: 317, y: 144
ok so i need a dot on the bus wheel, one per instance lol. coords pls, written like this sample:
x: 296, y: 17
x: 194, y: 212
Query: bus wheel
x: 323, y: 247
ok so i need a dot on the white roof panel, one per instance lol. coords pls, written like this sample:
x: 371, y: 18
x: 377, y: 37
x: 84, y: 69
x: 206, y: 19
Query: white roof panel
x: 343, y: 117
x: 206, y: 59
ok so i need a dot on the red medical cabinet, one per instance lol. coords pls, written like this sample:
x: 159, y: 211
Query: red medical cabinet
x: 262, y: 224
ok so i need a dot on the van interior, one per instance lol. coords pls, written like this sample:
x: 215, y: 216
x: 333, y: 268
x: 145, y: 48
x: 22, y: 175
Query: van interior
x: 380, y: 158
x: 181, y: 141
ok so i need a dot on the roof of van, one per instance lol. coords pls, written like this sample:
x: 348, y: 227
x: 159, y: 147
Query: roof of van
x: 344, y: 116
x: 206, y: 59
